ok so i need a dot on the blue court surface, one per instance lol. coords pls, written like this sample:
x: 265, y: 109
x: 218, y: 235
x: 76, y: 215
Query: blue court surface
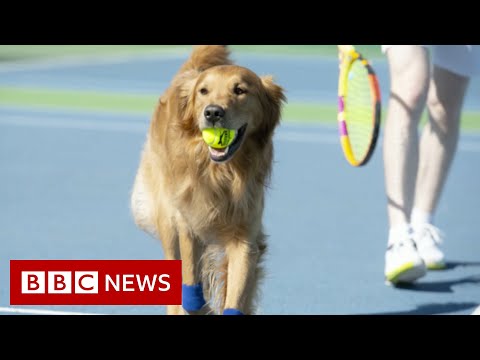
x: 66, y: 176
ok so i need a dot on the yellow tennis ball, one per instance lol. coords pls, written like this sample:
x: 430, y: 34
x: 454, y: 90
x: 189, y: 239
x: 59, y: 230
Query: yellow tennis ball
x: 218, y: 138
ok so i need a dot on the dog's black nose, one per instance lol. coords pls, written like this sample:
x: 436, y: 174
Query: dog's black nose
x: 214, y: 113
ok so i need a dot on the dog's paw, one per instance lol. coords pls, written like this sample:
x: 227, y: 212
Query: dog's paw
x: 232, y: 312
x: 205, y: 310
x: 192, y: 297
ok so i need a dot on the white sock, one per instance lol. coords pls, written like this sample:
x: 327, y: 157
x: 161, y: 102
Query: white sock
x: 419, y: 217
x: 398, y: 232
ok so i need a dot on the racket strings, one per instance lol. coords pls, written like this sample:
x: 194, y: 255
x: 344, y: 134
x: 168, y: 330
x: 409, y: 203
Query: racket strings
x: 359, y: 110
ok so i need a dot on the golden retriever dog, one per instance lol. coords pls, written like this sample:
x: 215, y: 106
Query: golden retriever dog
x: 205, y: 204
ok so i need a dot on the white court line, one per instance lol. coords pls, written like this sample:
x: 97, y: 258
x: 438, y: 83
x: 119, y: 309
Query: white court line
x: 309, y: 136
x: 73, y: 60
x: 82, y: 60
x: 41, y: 312
x: 323, y: 137
x: 115, y: 126
x: 317, y: 136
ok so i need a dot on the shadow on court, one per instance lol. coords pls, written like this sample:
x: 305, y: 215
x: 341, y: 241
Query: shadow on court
x: 433, y: 309
x: 445, y: 286
x: 455, y: 264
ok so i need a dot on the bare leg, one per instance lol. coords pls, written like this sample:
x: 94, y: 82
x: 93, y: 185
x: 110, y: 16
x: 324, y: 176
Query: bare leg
x: 440, y: 136
x: 409, y: 78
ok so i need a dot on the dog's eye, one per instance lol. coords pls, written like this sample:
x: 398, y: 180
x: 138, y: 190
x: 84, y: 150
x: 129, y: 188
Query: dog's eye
x: 203, y: 91
x: 239, y: 91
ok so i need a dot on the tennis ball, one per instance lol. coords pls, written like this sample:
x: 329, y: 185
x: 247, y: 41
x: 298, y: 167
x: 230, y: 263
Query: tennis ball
x: 218, y: 138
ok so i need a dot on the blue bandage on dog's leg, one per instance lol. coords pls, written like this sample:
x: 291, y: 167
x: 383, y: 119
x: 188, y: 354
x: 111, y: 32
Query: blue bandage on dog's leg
x: 192, y: 297
x: 232, y: 312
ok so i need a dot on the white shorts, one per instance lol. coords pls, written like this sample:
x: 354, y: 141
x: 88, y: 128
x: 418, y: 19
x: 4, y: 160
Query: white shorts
x: 460, y: 59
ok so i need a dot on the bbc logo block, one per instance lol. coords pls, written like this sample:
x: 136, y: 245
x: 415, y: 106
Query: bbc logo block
x: 60, y: 282
x: 95, y: 282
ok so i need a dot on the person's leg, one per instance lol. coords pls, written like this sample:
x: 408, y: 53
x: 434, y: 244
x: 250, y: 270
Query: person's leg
x: 409, y: 79
x: 440, y: 136
x: 437, y: 149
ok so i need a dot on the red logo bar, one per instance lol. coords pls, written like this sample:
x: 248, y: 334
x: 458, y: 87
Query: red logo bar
x: 95, y: 282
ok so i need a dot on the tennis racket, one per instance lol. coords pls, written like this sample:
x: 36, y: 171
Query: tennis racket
x: 359, y: 106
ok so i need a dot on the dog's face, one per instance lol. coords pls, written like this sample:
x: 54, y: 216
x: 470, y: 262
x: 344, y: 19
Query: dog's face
x: 235, y: 98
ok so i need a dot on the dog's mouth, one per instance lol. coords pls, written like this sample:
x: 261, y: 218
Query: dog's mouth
x: 222, y: 155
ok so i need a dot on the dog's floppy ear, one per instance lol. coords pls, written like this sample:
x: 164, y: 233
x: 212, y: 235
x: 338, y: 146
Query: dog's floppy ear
x: 183, y: 86
x: 272, y: 105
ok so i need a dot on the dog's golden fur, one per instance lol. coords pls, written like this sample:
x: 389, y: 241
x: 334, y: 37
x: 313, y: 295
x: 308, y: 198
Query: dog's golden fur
x: 209, y: 213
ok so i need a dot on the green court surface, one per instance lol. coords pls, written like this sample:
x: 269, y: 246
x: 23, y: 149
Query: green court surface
x: 295, y: 112
x: 19, y: 52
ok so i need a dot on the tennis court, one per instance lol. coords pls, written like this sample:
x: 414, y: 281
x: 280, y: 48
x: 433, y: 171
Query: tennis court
x: 71, y: 132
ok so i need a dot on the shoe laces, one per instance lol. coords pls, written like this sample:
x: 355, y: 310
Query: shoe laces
x: 431, y: 232
x: 406, y: 241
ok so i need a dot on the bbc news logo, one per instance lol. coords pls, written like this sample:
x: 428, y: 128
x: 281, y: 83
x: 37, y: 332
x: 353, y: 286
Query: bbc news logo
x: 95, y: 282
x: 59, y: 282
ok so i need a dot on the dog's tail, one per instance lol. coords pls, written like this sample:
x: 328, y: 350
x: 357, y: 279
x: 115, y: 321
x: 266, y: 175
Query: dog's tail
x: 206, y: 56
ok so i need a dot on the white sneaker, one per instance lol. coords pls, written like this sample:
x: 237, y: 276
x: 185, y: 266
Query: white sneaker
x: 427, y: 239
x: 403, y: 263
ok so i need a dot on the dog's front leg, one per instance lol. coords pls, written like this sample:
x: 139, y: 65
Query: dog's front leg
x: 242, y: 267
x: 193, y: 300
